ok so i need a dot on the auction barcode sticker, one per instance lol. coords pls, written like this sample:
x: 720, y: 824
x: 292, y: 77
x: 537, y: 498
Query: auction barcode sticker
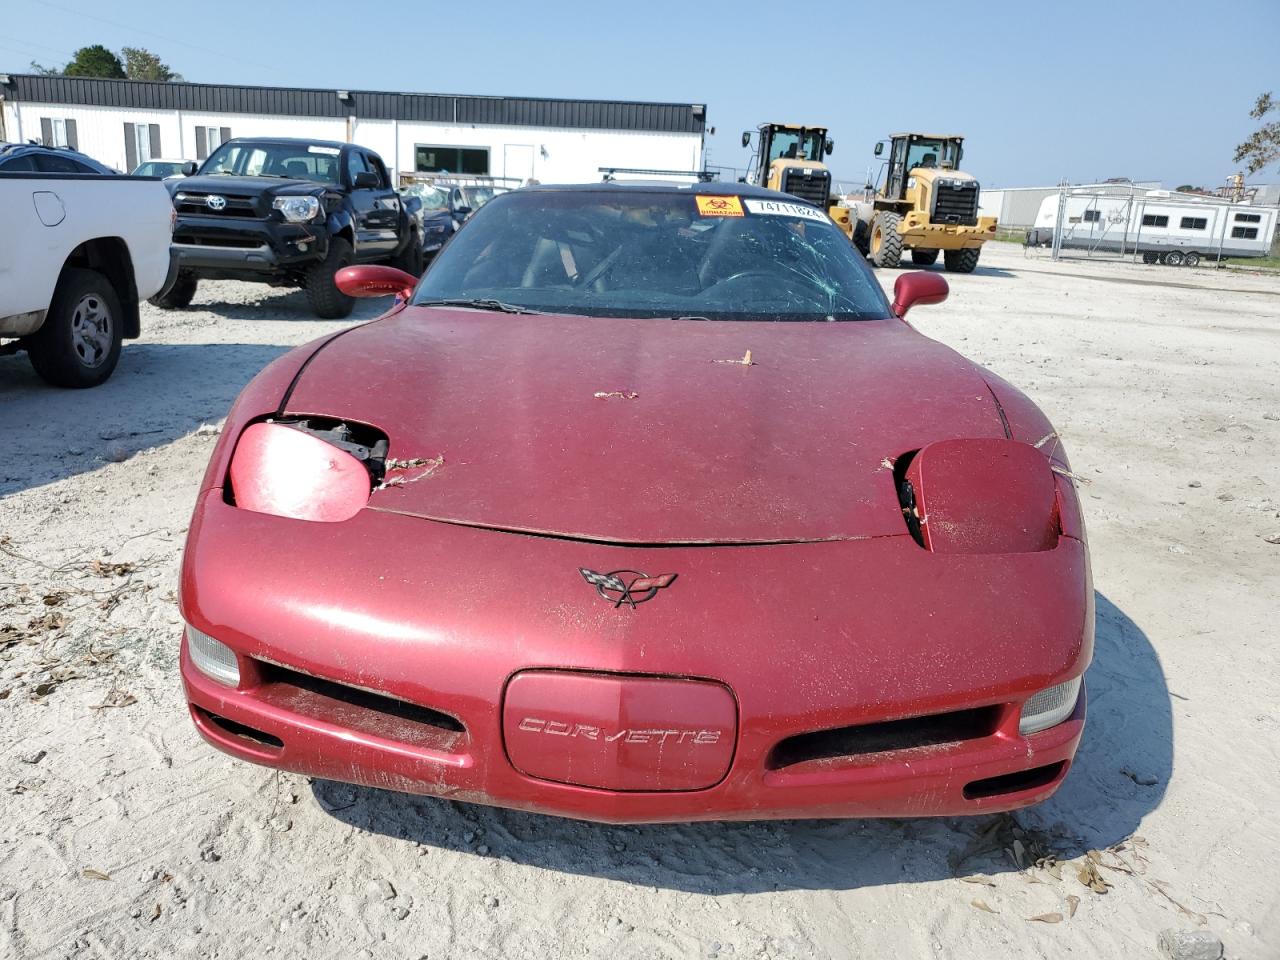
x: 780, y: 208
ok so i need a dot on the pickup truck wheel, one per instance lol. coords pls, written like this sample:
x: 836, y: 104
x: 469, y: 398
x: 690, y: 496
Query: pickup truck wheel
x: 179, y: 295
x: 327, y: 301
x: 79, y: 342
x: 411, y: 260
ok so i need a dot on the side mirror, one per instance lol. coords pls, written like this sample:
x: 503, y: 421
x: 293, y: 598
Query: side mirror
x: 918, y: 287
x: 189, y: 168
x: 879, y: 148
x: 366, y: 180
x: 746, y: 138
x: 373, y: 280
x: 830, y: 146
x: 462, y: 213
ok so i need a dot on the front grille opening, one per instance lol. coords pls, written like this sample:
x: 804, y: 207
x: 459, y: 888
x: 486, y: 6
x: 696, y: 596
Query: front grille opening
x: 372, y: 713
x: 259, y: 737
x: 815, y: 188
x: 957, y: 205
x: 913, y: 733
x: 1014, y: 782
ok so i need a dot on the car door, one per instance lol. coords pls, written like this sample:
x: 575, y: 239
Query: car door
x: 376, y: 209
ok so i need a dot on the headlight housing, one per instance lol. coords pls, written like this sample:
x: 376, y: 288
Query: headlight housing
x: 213, y: 657
x: 1049, y: 707
x: 297, y: 209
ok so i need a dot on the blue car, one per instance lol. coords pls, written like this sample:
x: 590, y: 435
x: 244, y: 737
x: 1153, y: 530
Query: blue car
x: 37, y: 158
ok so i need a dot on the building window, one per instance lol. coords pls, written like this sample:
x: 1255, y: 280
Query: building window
x: 141, y: 142
x: 58, y: 132
x: 1194, y: 223
x: 1248, y: 218
x: 473, y: 161
x: 209, y: 139
x: 1154, y: 220
x: 1092, y: 216
x: 1244, y: 233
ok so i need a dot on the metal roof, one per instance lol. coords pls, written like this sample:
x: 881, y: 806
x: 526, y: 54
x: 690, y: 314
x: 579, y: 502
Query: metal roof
x: 368, y: 104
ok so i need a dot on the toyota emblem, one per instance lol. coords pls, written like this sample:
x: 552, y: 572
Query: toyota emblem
x: 215, y: 202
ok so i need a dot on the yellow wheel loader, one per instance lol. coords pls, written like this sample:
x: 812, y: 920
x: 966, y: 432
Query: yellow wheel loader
x: 788, y: 158
x: 926, y: 205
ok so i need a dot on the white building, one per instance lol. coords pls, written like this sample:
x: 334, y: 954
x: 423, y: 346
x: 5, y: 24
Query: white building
x: 123, y: 122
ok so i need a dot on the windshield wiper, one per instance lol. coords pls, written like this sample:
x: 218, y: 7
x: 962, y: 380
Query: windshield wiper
x: 478, y: 304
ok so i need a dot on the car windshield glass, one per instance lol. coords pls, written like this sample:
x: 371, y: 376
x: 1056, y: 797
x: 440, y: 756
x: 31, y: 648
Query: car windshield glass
x: 645, y: 253
x: 157, y: 168
x: 477, y: 197
x: 433, y: 198
x: 295, y: 161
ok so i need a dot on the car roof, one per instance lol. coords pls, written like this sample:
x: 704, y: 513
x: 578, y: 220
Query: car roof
x: 712, y: 187
x: 306, y: 141
x: 18, y: 149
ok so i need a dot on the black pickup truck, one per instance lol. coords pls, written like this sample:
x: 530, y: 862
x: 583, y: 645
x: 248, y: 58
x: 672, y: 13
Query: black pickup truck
x: 289, y: 213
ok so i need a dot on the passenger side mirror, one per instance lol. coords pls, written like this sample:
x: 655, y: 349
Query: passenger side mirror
x: 366, y: 180
x: 918, y: 287
x: 372, y: 280
x: 830, y: 145
x: 462, y: 212
x: 746, y: 138
x: 879, y: 148
x: 189, y: 168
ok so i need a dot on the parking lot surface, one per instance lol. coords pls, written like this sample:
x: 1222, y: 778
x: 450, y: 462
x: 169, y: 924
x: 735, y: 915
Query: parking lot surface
x: 123, y: 835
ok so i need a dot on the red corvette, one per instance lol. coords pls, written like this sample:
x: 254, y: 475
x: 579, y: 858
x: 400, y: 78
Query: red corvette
x: 644, y: 504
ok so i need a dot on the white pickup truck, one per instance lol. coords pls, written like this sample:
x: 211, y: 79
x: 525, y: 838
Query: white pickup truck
x: 78, y: 253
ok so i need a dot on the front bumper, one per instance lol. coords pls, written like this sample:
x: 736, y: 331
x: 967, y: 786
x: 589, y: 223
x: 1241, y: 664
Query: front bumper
x: 445, y: 619
x: 229, y: 247
x: 919, y: 232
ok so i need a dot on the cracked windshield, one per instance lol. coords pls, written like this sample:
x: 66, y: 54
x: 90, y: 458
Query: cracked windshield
x: 650, y: 254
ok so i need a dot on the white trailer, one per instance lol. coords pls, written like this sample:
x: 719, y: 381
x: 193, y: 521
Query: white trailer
x: 1160, y: 226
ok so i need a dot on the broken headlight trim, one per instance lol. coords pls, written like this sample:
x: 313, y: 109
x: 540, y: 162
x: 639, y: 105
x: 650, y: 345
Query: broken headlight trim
x: 1049, y: 707
x: 213, y: 658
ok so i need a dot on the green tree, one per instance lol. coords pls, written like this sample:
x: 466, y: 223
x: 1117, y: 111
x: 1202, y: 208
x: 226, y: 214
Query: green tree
x: 140, y: 64
x: 94, y: 61
x: 1263, y: 147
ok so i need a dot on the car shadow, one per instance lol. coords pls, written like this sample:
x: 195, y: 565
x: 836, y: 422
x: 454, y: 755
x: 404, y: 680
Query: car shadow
x: 1130, y: 728
x: 980, y: 270
x: 262, y: 302
x: 158, y: 393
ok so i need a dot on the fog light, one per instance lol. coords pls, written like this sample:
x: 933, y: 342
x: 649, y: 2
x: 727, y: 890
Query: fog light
x: 1049, y: 707
x: 213, y: 657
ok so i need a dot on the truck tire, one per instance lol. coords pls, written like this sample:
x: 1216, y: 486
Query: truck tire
x: 962, y: 261
x: 327, y: 301
x: 410, y: 259
x: 923, y: 256
x: 862, y: 237
x: 176, y: 297
x: 78, y: 344
x: 886, y: 242
x: 1150, y: 257
x: 1191, y: 259
x: 1173, y: 258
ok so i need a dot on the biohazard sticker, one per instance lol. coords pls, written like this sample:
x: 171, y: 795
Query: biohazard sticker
x: 720, y: 206
x: 780, y: 208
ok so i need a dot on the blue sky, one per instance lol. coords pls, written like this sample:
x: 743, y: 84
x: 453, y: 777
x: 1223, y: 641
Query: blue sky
x: 1042, y: 91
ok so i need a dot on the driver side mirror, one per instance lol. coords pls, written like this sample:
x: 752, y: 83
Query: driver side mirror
x: 366, y: 180
x: 462, y: 212
x: 374, y: 280
x: 919, y: 287
x: 829, y: 146
x: 746, y: 138
x: 189, y: 168
x: 879, y: 148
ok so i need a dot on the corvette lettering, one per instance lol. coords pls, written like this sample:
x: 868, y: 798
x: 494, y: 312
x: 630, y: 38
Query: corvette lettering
x: 586, y: 731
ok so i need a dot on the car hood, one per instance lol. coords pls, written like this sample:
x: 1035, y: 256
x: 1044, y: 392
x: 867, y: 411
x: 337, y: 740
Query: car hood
x: 647, y: 431
x: 244, y: 186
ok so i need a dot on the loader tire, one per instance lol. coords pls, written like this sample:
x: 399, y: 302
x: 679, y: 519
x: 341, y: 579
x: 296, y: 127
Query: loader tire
x: 923, y: 256
x: 962, y: 261
x: 886, y: 241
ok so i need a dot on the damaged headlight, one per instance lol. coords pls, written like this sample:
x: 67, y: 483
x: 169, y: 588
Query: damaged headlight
x: 1049, y: 707
x: 297, y: 209
x: 213, y: 657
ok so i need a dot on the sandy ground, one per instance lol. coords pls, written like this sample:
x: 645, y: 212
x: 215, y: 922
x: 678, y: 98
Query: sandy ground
x: 122, y: 835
